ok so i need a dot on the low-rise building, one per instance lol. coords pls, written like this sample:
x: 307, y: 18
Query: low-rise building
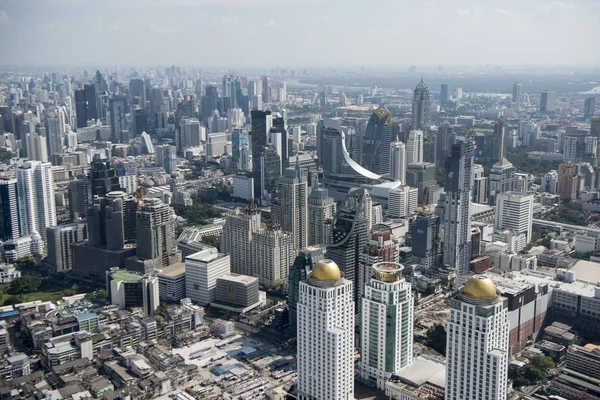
x: 171, y: 282
x: 8, y: 273
x: 584, y: 359
x: 425, y: 378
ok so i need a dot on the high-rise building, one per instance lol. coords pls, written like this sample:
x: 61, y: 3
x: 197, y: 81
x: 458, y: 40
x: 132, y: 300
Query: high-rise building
x: 516, y: 96
x: 9, y: 210
x: 303, y: 264
x: 35, y: 195
x: 386, y: 324
x: 402, y: 202
x: 118, y: 123
x: 349, y: 235
x: 457, y: 208
x: 421, y: 176
x: 128, y: 289
x: 444, y: 94
x: 567, y: 181
x: 240, y: 148
x: 291, y: 207
x: 201, y: 272
x: 103, y: 178
x: 414, y: 147
x: 547, y: 101
x: 155, y: 233
x: 236, y: 239
x: 326, y: 334
x: 421, y: 106
x: 37, y: 147
x: 477, y: 343
x: 170, y: 159
x: 60, y: 256
x: 502, y: 179
x: 272, y: 255
x: 514, y: 211
x: 398, y: 162
x: 193, y: 133
x: 376, y: 142
x: 589, y: 107
x: 137, y: 92
x: 85, y: 105
x: 480, y: 185
x: 269, y: 169
x: 321, y: 211
x: 262, y: 122
x: 55, y: 130
x: 425, y: 239
x: 380, y: 247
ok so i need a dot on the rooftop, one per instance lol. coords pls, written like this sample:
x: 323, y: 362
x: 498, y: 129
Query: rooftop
x: 245, y: 279
x: 579, y: 288
x: 126, y: 276
x: 422, y: 370
x: 173, y: 270
x: 586, y: 271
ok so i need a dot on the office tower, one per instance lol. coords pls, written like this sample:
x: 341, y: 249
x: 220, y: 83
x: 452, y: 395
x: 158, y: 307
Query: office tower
x: 262, y: 122
x: 155, y: 232
x: 137, y: 92
x: 386, y: 324
x: 425, y: 239
x: 35, y: 195
x: 480, y: 185
x: 529, y: 133
x: 240, y: 148
x: 269, y: 167
x: 516, y: 96
x: 567, y: 181
x: 444, y: 94
x: 201, y: 272
x: 457, y: 208
x: 414, y: 147
x: 291, y: 207
x: 589, y: 107
x: 37, y: 147
x: 60, y: 256
x: 170, y: 159
x: 547, y: 101
x: 79, y: 193
x: 236, y: 239
x: 421, y: 107
x: 514, y: 211
x: 266, y: 90
x: 272, y: 254
x: 128, y: 289
x: 55, y: 130
x: 85, y: 105
x: 376, y: 142
x: 321, y: 211
x: 118, y: 123
x: 477, y: 343
x: 302, y: 265
x: 349, y: 235
x: 502, y: 179
x: 326, y: 334
x: 402, y: 202
x: 398, y: 161
x: 139, y: 118
x: 103, y: 177
x: 278, y: 139
x: 9, y: 210
x: 445, y: 139
x: 495, y: 145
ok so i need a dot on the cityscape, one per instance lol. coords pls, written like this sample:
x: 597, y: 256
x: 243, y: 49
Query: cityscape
x: 270, y: 211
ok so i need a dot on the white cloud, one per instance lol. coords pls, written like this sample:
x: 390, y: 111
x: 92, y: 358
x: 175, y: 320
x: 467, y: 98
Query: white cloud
x: 3, y: 18
x: 558, y: 6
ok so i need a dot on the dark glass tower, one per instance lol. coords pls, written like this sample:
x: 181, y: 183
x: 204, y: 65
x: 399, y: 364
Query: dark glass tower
x: 376, y: 142
x: 425, y: 240
x: 421, y: 106
x: 299, y: 270
x: 85, y: 105
x: 9, y: 210
x: 103, y: 178
x: 261, y: 123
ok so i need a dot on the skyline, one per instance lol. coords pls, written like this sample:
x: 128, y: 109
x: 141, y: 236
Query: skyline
x: 238, y: 33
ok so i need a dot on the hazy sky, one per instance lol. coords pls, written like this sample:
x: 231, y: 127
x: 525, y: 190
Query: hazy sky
x: 283, y: 33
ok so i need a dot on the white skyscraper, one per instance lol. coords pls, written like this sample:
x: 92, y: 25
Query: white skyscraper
x: 55, y: 130
x: 201, y: 272
x: 321, y: 211
x: 386, y: 324
x: 37, y: 148
x: 402, y: 202
x: 514, y: 211
x: 326, y: 335
x: 477, y: 343
x: 272, y: 254
x: 398, y: 161
x: 35, y: 193
x: 291, y: 208
x: 414, y: 147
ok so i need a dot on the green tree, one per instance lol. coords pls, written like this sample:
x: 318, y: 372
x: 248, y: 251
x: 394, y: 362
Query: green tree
x: 214, y: 241
x: 25, y: 284
x: 436, y: 338
x: 98, y: 297
x: 538, y: 368
x: 12, y: 300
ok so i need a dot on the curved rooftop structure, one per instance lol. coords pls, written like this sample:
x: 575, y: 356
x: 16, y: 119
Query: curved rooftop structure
x: 326, y: 270
x: 480, y: 287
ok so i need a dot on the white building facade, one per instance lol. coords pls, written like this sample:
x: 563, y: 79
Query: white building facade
x: 201, y: 272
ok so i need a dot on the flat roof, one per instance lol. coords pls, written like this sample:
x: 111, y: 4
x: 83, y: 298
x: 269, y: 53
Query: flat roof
x: 126, y: 276
x: 477, y: 208
x: 579, y: 288
x: 587, y: 271
x: 422, y: 370
x: 238, y: 278
x: 206, y: 255
x: 173, y: 270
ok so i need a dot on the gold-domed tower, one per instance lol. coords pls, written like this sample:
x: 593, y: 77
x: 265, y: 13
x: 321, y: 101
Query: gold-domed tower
x: 480, y: 287
x: 326, y: 270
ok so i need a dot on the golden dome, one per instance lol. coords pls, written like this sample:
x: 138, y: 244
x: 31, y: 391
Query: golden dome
x: 480, y: 287
x: 326, y: 270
